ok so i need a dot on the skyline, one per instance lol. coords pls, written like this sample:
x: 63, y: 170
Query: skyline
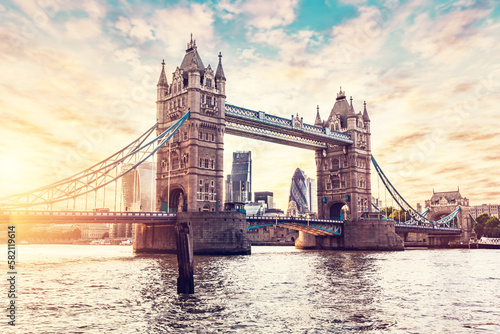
x: 79, y: 83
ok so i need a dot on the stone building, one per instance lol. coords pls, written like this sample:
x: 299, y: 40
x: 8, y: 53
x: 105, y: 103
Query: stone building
x: 490, y: 209
x: 443, y: 203
x: 190, y: 169
x: 343, y: 172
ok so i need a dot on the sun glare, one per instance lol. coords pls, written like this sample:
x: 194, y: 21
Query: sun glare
x: 12, y: 176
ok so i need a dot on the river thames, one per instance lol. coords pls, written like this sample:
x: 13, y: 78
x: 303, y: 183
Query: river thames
x: 101, y: 289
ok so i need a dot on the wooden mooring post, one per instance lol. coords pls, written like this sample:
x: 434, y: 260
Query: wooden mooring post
x: 184, y: 239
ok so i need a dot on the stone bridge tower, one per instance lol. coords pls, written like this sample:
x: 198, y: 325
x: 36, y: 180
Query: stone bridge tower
x: 343, y: 172
x: 190, y: 177
x: 190, y: 167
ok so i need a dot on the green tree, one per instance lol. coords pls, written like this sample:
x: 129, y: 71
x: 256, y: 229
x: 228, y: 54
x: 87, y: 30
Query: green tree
x: 479, y: 226
x: 491, y: 227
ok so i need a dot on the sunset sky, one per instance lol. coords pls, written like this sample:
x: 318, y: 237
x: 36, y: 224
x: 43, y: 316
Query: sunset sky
x: 78, y: 82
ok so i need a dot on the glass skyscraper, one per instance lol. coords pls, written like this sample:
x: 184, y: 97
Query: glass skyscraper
x: 239, y: 182
x: 303, y: 192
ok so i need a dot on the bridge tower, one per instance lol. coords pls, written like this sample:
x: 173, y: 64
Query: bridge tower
x: 190, y: 176
x: 343, y: 172
x: 190, y: 168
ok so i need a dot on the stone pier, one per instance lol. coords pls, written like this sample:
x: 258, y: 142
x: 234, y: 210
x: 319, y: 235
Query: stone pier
x: 214, y: 233
x: 358, y: 235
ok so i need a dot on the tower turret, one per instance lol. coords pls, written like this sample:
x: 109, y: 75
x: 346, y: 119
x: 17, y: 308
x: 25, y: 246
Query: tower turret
x: 220, y: 79
x: 162, y: 86
x: 318, y: 121
x: 351, y: 118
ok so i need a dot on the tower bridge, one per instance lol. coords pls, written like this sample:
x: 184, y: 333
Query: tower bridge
x: 192, y: 119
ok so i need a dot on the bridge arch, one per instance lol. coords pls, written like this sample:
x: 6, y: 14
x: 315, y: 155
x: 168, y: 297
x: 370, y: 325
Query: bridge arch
x: 336, y: 209
x: 176, y: 197
x: 441, y: 214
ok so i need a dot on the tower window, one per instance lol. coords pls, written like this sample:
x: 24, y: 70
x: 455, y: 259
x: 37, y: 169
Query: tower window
x: 200, y: 135
x: 206, y: 163
x: 201, y: 163
x: 211, y: 164
x: 209, y: 82
x: 201, y: 183
x: 206, y: 136
x: 213, y: 137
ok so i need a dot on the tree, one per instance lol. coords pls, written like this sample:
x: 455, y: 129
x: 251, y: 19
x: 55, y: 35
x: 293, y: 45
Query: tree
x: 491, y: 227
x: 482, y: 218
x: 479, y: 226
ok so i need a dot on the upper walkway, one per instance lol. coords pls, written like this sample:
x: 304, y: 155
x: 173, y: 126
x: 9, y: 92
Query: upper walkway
x: 291, y: 132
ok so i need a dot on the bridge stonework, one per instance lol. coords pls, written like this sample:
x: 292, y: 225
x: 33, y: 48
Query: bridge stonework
x: 343, y: 174
x: 190, y: 168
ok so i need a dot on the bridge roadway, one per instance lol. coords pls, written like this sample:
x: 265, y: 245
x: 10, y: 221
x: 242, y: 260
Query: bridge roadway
x: 85, y: 217
x: 318, y: 227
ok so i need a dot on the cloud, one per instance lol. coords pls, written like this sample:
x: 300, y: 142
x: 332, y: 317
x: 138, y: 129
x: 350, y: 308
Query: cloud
x: 136, y: 28
x: 440, y: 39
x: 170, y: 27
x: 82, y: 29
x: 266, y: 14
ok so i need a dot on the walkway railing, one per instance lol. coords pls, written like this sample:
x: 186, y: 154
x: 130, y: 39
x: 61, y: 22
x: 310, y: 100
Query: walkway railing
x: 257, y: 119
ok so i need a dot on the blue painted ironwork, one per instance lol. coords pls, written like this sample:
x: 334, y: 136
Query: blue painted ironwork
x: 418, y: 218
x: 313, y: 226
x: 259, y: 125
x: 98, y: 175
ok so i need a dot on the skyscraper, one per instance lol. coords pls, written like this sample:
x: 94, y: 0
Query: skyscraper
x: 303, y: 192
x: 239, y: 182
x: 138, y: 189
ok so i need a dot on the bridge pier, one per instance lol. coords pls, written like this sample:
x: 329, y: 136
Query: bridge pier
x: 358, y: 235
x: 214, y: 233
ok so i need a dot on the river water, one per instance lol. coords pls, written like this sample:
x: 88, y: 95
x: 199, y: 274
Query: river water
x: 101, y: 289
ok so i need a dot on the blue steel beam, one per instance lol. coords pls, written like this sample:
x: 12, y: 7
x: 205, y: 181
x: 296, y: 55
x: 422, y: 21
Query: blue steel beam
x: 312, y: 226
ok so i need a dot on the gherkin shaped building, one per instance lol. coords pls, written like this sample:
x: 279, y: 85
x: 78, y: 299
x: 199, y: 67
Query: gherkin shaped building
x: 300, y: 192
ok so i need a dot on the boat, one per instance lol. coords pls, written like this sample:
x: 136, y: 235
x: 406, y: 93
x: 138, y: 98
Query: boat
x: 489, y: 243
x: 126, y: 242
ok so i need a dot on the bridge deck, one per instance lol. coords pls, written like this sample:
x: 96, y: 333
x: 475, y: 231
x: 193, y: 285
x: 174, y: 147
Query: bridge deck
x: 85, y: 217
x: 427, y: 229
x: 313, y: 226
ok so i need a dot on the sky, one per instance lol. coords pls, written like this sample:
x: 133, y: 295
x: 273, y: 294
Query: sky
x: 78, y: 82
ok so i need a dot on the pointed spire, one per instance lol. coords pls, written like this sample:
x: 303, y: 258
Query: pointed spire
x: 163, y: 78
x: 318, y: 121
x: 219, y: 74
x: 351, y: 111
x: 365, y: 114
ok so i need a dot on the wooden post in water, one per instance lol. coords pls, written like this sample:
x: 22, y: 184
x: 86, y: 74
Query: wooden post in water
x: 184, y: 238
